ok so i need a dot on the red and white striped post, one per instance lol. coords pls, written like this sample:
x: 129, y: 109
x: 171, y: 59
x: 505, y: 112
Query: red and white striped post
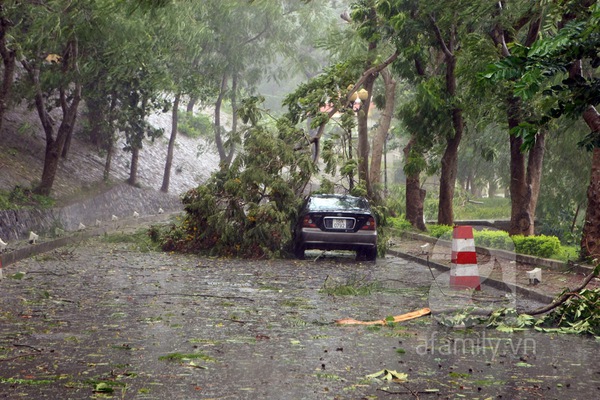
x: 464, y: 273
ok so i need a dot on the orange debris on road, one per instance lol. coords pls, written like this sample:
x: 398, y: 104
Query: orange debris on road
x: 397, y: 318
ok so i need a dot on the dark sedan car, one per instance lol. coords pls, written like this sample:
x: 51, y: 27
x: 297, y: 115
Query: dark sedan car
x: 336, y: 222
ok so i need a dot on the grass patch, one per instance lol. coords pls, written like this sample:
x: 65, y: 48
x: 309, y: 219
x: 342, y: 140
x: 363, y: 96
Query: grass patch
x: 179, y: 357
x: 31, y: 382
x: 139, y: 240
x: 23, y: 198
x: 490, y: 208
x: 354, y: 286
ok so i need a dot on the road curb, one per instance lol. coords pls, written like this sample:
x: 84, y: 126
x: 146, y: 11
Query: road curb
x: 510, y: 255
x: 75, y: 237
x: 491, y: 282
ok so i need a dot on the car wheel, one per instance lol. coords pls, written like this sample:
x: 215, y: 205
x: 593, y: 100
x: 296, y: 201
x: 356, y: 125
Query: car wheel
x: 371, y: 254
x: 367, y: 254
x: 299, y: 251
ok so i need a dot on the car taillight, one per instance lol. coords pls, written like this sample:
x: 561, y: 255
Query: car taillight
x: 307, y: 222
x: 369, y: 225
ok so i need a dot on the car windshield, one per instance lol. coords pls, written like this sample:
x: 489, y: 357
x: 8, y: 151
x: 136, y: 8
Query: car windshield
x: 337, y: 203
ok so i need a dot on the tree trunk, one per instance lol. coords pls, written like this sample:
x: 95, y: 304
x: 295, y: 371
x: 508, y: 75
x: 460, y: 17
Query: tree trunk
x: 450, y: 156
x: 170, y: 149
x: 96, y: 119
x: 9, y: 58
x: 191, y: 104
x: 108, y: 138
x: 108, y: 163
x: 525, y: 179
x: 234, y: 119
x: 135, y: 156
x: 54, y: 146
x: 534, y: 174
x: 448, y: 178
x: 67, y: 146
x: 218, y: 137
x: 383, y: 128
x: 350, y: 156
x: 590, y: 240
x: 492, y: 188
x: 363, y: 137
x: 415, y: 196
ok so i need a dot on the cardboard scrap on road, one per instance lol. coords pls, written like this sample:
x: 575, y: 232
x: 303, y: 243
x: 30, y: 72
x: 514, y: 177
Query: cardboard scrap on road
x: 397, y: 318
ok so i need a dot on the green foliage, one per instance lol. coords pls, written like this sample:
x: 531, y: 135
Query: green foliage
x: 438, y: 231
x: 395, y: 200
x: 354, y: 286
x: 248, y: 209
x: 579, y: 315
x: 509, y: 320
x: 535, y: 69
x: 399, y: 224
x: 195, y: 126
x: 539, y: 246
x: 492, y: 208
x: 179, y: 357
x: 140, y: 240
x: 329, y: 88
x: 21, y: 197
x: 493, y: 239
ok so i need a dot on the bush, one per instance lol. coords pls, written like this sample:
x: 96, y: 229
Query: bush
x: 21, y: 197
x: 540, y: 246
x: 399, y: 224
x: 438, y: 231
x: 493, y: 239
x: 194, y: 126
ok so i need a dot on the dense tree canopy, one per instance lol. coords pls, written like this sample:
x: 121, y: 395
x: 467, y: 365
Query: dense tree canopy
x: 472, y: 85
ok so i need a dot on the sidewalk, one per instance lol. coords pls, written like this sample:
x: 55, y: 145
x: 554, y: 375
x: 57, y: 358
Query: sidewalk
x: 494, y: 264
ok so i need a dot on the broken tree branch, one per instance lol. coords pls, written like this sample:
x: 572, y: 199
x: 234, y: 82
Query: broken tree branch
x: 567, y: 295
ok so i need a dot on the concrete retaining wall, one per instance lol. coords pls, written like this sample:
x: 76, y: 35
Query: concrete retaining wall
x: 121, y: 200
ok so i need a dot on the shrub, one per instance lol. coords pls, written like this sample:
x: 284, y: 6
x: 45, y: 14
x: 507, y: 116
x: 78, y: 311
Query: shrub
x: 493, y: 239
x: 540, y: 246
x: 194, y: 126
x: 438, y: 231
x: 399, y: 224
x: 20, y: 197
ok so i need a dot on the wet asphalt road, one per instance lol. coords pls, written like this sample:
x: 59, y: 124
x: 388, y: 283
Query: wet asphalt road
x: 104, y: 320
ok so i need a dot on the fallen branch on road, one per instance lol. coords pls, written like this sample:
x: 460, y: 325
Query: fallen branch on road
x: 397, y: 318
x: 566, y: 295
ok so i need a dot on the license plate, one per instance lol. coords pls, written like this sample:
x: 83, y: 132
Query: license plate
x: 339, y: 224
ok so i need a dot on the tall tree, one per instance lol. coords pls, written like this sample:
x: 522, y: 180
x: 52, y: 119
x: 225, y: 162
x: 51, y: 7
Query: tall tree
x: 8, y: 52
x: 576, y: 95
x: 249, y: 41
x: 525, y: 169
x: 50, y: 37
